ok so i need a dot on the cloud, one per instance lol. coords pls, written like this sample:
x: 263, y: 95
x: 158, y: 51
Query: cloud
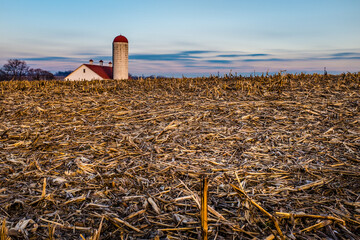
x: 343, y: 58
x: 269, y: 60
x: 160, y: 57
x: 208, y: 67
x: 104, y: 58
x: 194, y: 55
x: 243, y: 55
x: 197, y: 52
x: 345, y: 54
x: 48, y: 59
x: 66, y: 59
x: 184, y: 55
x: 204, y: 60
x: 220, y: 61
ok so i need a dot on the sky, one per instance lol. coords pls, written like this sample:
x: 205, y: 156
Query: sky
x: 187, y: 37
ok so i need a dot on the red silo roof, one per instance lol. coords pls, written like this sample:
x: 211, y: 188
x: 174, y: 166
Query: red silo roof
x: 120, y: 38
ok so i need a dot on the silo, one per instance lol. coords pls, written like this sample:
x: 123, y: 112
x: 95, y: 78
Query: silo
x: 120, y: 58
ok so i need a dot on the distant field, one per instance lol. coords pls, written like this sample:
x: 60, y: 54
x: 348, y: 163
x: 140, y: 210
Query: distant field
x: 125, y: 159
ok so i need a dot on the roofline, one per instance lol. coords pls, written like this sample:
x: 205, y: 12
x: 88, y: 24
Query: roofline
x: 84, y: 64
x: 74, y: 71
x: 87, y: 65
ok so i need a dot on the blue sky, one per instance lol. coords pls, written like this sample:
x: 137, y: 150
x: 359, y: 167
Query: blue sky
x: 190, y: 37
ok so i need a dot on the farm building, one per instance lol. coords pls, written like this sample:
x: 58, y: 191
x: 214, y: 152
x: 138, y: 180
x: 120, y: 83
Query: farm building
x: 118, y: 70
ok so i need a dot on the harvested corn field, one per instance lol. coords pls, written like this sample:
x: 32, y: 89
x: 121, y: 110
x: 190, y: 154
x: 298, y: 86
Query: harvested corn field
x: 129, y: 159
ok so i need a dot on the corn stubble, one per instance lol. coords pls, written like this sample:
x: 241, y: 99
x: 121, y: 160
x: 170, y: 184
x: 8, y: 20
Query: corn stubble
x: 125, y: 159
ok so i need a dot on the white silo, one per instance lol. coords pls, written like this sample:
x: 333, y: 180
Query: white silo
x: 120, y: 58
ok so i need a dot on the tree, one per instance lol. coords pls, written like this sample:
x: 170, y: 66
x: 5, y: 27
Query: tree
x: 3, y: 76
x: 39, y: 74
x: 63, y: 74
x: 15, y: 69
x: 18, y: 70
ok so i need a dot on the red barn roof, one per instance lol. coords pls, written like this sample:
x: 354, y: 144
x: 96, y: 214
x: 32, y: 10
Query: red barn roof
x: 103, y: 71
x: 120, y: 38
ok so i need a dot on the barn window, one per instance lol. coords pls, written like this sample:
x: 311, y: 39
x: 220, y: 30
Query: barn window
x: 84, y: 70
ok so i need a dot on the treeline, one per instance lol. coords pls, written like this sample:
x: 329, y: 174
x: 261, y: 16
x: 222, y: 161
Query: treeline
x: 16, y: 69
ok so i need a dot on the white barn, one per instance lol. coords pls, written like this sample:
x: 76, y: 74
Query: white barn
x: 100, y: 72
x: 91, y: 72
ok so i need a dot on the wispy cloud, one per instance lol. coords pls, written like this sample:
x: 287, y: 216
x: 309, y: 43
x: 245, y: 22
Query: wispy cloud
x: 193, y: 55
x: 48, y: 59
x: 196, y: 57
x: 98, y: 58
x: 66, y: 59
x: 268, y: 59
x: 212, y: 67
x: 160, y: 57
x: 343, y: 58
x: 243, y: 55
x: 197, y: 52
x: 183, y: 55
x: 212, y: 61
x: 345, y: 54
x: 220, y: 61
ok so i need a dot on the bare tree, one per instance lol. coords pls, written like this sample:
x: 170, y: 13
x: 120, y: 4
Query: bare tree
x: 3, y: 76
x: 39, y: 74
x: 16, y: 69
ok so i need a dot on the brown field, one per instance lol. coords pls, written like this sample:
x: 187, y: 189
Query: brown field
x: 126, y: 159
